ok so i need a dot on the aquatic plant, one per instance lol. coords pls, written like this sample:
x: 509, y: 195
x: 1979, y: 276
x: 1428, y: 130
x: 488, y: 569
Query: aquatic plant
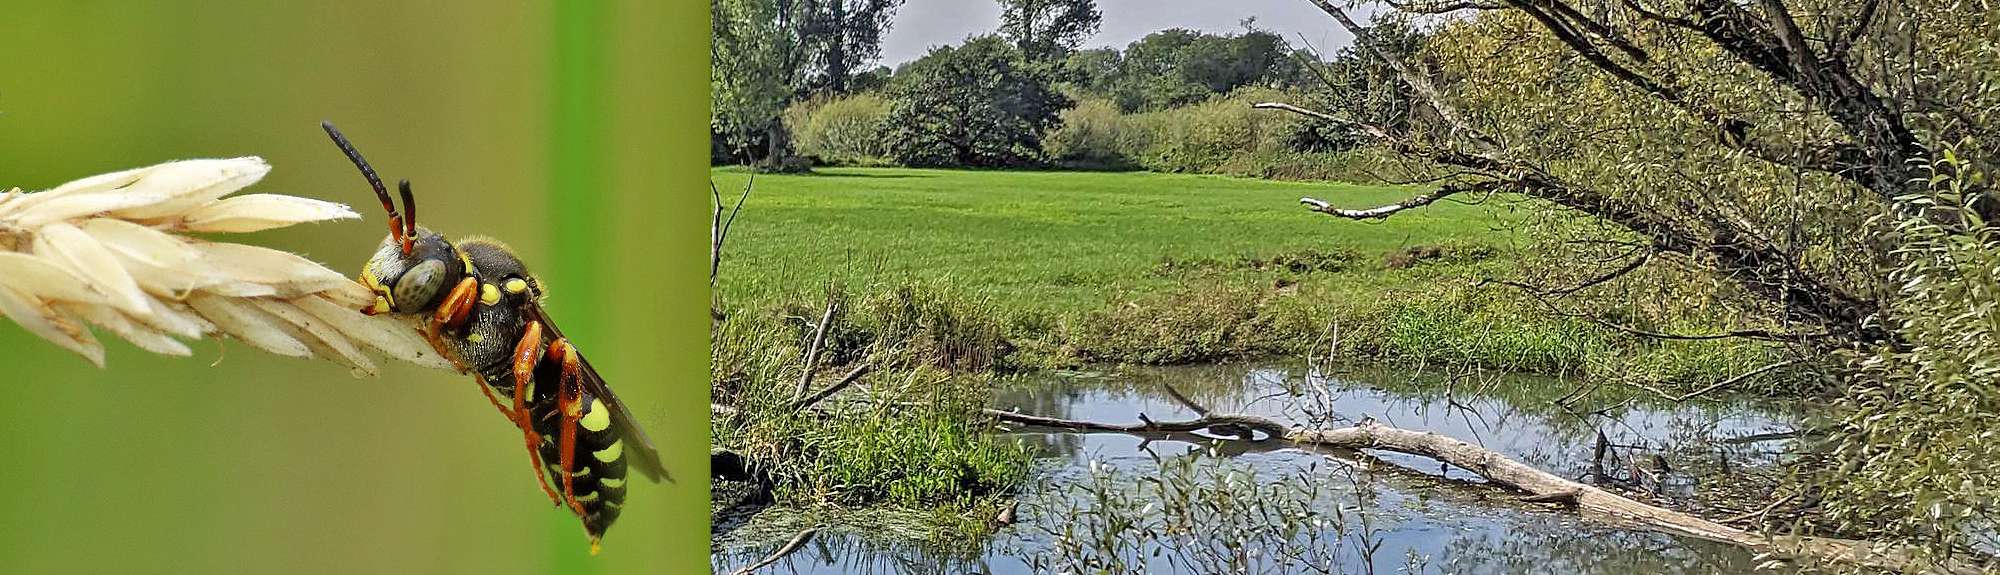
x: 1199, y: 513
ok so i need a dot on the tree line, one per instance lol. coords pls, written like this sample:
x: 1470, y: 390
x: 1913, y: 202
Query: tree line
x: 989, y: 101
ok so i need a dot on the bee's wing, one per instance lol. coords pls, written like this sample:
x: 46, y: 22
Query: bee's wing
x: 644, y: 455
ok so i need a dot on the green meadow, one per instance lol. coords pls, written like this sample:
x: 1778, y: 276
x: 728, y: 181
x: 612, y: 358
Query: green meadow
x: 1055, y: 241
x: 1080, y: 267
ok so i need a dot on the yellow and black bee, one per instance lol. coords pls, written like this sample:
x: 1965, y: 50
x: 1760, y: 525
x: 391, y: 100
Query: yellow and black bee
x: 482, y: 309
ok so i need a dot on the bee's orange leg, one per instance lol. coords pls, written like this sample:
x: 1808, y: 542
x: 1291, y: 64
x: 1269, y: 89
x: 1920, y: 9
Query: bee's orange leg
x: 457, y: 306
x: 568, y: 393
x: 487, y: 391
x: 452, y: 315
x: 526, y: 352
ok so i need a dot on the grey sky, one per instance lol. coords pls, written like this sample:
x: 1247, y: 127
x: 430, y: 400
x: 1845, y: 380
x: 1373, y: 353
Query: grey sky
x: 921, y: 24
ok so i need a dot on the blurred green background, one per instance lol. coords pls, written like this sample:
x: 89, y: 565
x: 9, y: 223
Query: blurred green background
x: 574, y: 131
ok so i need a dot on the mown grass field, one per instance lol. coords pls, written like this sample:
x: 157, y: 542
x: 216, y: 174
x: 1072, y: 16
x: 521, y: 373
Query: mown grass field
x: 1058, y: 241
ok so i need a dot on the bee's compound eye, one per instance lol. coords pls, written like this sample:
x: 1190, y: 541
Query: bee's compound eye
x: 415, y: 289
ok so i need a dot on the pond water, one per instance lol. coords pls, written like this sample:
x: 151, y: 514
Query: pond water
x: 1410, y: 516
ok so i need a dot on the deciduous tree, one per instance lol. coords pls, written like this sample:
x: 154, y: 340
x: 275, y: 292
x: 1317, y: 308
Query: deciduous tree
x: 766, y: 54
x: 977, y: 104
x: 1046, y: 30
x: 753, y: 68
x: 1824, y: 163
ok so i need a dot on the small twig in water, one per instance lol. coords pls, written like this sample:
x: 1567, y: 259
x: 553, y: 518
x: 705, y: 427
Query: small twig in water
x: 1762, y: 511
x: 1176, y: 394
x: 1739, y: 378
x: 790, y: 547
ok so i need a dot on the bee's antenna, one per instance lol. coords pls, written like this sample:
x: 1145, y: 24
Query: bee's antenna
x: 410, y: 209
x: 396, y: 226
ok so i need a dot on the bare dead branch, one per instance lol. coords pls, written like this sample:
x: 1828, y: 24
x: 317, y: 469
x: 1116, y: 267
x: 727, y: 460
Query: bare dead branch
x: 1372, y: 130
x: 1480, y: 163
x: 718, y: 230
x: 1790, y: 36
x: 1761, y: 512
x: 1629, y: 267
x: 845, y: 380
x: 1435, y: 7
x: 1380, y: 212
x: 1417, y: 82
x: 1846, y: 41
x: 1738, y: 378
x: 811, y: 360
x: 1272, y: 428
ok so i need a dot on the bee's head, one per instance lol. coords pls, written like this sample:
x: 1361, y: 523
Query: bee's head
x: 414, y: 282
x: 414, y: 267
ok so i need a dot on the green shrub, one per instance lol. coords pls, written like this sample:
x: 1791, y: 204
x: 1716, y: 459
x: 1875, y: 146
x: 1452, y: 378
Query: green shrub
x: 1224, y: 136
x: 1219, y: 136
x: 1914, y: 445
x: 844, y: 131
x: 1094, y: 135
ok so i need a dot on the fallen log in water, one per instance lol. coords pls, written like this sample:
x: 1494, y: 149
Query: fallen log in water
x: 1540, y: 486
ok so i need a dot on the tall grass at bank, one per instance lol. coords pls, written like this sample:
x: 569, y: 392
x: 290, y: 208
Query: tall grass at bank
x: 1075, y: 267
x: 904, y: 434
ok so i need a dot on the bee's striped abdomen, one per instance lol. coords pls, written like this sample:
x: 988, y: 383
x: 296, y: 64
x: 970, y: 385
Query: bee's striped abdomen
x: 598, y: 475
x: 598, y: 478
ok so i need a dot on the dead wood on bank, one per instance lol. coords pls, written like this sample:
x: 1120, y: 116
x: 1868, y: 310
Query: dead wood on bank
x: 1539, y: 486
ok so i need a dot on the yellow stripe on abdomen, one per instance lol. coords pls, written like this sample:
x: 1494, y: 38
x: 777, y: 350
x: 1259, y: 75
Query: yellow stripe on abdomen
x: 596, y: 418
x: 610, y: 454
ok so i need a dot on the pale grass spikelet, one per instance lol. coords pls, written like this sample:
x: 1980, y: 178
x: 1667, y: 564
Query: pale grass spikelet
x: 113, y: 251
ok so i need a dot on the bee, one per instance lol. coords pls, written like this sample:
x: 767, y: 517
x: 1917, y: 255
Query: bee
x: 481, y: 308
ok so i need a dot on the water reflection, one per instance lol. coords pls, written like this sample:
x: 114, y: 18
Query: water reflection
x: 1420, y: 523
